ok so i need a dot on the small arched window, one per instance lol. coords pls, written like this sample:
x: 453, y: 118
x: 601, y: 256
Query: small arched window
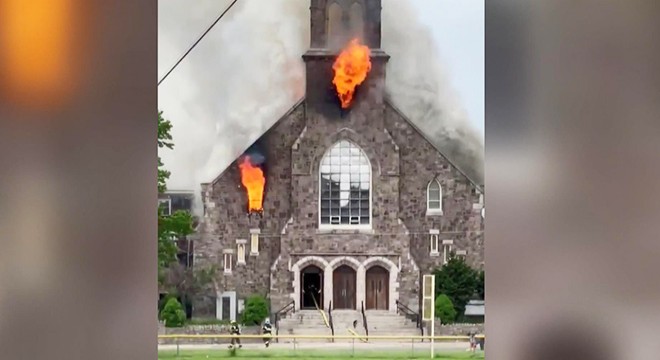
x: 434, y: 198
x: 335, y: 25
x: 357, y: 22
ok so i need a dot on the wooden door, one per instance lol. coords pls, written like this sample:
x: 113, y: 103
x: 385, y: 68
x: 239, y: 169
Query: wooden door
x: 377, y: 282
x: 344, y: 288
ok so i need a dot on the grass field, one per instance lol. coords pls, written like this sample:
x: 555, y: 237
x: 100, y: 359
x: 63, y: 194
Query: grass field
x: 307, y: 354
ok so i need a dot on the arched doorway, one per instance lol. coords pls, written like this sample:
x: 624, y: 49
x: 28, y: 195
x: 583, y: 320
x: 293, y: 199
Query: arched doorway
x: 343, y: 284
x: 311, y: 283
x: 377, y: 288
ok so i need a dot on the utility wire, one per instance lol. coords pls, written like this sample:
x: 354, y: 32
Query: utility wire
x: 197, y: 42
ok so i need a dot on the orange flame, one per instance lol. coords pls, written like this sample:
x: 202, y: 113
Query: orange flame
x: 254, y: 181
x: 351, y: 69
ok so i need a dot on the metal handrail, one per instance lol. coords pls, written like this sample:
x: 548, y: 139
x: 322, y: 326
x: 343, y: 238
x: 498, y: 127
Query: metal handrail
x: 377, y: 337
x: 409, y: 312
x: 332, y: 327
x: 291, y: 306
x: 364, y: 322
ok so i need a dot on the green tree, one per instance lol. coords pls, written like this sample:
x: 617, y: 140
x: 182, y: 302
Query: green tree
x: 177, y: 225
x: 186, y: 282
x: 444, y: 309
x: 164, y: 141
x: 458, y: 281
x: 481, y: 285
x: 173, y: 313
x: 256, y: 310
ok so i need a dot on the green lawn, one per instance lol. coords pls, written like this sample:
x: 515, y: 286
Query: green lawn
x: 307, y: 354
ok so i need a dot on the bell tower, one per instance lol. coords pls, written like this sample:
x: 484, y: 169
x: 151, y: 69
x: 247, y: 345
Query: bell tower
x: 333, y: 24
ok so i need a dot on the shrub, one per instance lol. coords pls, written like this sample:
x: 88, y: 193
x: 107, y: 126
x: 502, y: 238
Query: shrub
x: 162, y: 302
x: 444, y: 309
x: 173, y: 313
x: 256, y: 310
x: 458, y: 281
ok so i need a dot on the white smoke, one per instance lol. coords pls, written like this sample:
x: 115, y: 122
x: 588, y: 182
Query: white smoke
x: 248, y: 71
x: 419, y: 87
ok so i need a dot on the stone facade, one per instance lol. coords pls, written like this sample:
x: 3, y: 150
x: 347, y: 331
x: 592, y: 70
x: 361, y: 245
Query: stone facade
x: 403, y: 163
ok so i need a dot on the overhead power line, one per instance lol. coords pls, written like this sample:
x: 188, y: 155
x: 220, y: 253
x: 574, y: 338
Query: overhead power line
x: 197, y: 42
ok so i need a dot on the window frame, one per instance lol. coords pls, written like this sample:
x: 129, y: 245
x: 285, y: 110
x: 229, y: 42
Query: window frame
x: 340, y: 226
x: 240, y: 257
x: 228, y: 254
x: 169, y: 205
x: 433, y: 211
x: 434, y: 242
x: 254, y: 242
x: 446, y: 250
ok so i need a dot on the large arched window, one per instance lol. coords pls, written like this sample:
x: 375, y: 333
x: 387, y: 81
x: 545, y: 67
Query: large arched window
x: 345, y: 187
x: 434, y: 198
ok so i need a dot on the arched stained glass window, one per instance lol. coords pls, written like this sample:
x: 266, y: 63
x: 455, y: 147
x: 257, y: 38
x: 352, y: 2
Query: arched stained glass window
x: 345, y: 187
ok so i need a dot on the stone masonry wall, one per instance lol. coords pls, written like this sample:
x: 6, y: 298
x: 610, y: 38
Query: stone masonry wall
x: 458, y: 329
x: 461, y: 220
x: 403, y: 163
x: 205, y: 330
x: 225, y: 219
x: 363, y: 125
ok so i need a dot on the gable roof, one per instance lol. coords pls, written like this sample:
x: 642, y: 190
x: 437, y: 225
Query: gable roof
x: 243, y: 149
x: 389, y: 102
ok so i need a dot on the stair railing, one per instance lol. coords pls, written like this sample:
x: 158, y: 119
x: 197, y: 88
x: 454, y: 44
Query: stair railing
x: 291, y: 306
x: 410, y: 314
x: 364, y: 322
x: 332, y: 326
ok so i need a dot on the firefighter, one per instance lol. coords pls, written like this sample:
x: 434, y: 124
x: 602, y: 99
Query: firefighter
x: 235, y: 330
x: 267, y: 329
x: 473, y: 341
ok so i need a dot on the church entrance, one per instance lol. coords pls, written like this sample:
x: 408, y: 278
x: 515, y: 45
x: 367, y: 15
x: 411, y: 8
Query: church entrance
x: 377, y: 283
x: 344, y: 287
x: 311, y: 283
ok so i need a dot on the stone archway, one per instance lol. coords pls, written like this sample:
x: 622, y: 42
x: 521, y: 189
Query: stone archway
x: 344, y: 288
x: 392, y: 287
x: 311, y: 285
x: 357, y: 285
x: 377, y: 288
x: 303, y: 264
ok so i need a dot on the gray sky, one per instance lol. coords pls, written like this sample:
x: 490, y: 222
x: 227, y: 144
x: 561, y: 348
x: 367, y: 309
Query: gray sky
x: 458, y: 29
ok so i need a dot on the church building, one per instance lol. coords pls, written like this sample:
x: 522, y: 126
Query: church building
x: 343, y: 203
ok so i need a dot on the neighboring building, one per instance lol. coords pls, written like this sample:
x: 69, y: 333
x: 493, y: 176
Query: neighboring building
x: 170, y: 202
x: 358, y: 203
x: 475, y: 311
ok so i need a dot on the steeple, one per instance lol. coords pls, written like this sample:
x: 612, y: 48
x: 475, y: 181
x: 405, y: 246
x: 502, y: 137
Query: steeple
x: 334, y: 23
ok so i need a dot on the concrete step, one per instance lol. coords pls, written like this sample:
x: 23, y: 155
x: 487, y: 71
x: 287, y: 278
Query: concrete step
x: 313, y: 322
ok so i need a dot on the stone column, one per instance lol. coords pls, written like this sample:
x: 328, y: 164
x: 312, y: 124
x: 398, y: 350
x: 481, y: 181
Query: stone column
x: 361, y: 286
x: 327, y: 286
